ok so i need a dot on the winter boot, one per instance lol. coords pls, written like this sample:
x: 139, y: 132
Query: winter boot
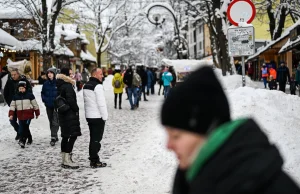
x: 17, y: 137
x: 68, y: 162
x: 53, y: 141
x: 29, y: 141
x: 97, y: 164
x: 22, y: 144
x: 120, y: 105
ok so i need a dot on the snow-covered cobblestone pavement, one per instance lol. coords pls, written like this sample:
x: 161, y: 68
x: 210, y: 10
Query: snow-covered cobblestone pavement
x: 133, y: 146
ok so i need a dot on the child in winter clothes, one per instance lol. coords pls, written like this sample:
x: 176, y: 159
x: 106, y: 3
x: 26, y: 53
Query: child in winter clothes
x: 293, y: 85
x: 25, y: 105
x: 272, y: 83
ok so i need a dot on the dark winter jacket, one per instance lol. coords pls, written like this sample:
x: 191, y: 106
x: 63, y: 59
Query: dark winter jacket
x: 150, y: 78
x: 49, y: 93
x: 283, y: 74
x: 273, y: 85
x: 2, y: 74
x: 160, y: 81
x: 142, y: 73
x: 173, y: 82
x: 11, y: 88
x: 154, y: 78
x: 68, y: 121
x: 128, y: 77
x: 245, y: 163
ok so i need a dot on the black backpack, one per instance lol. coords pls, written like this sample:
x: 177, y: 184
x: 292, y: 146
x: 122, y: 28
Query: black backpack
x: 61, y: 105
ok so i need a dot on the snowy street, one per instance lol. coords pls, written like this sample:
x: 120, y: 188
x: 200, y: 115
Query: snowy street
x: 134, y: 145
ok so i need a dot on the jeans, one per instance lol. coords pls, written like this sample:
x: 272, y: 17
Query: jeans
x: 166, y: 89
x: 15, y: 124
x: 132, y: 91
x: 265, y: 81
x: 53, y: 120
x: 25, y: 132
x: 67, y: 144
x: 96, y: 127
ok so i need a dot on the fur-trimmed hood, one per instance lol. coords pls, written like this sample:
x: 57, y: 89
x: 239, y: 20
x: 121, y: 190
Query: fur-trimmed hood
x: 65, y: 78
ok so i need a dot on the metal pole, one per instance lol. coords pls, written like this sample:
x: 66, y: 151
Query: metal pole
x: 243, y: 71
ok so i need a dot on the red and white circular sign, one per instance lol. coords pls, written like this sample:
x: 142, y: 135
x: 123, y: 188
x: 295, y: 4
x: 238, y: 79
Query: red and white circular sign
x: 241, y: 11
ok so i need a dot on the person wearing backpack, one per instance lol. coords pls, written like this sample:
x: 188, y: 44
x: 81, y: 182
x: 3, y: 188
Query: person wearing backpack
x: 118, y: 86
x: 69, y: 119
x: 132, y: 81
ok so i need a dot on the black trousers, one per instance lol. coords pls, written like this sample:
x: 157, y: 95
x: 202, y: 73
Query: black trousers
x: 25, y: 132
x: 120, y: 99
x: 53, y: 120
x: 96, y: 127
x: 282, y: 86
x: 67, y: 144
x: 161, y: 85
x: 293, y: 92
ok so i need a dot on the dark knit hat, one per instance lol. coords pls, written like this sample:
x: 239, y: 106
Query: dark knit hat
x: 4, y: 68
x: 22, y: 84
x: 65, y: 71
x: 197, y: 105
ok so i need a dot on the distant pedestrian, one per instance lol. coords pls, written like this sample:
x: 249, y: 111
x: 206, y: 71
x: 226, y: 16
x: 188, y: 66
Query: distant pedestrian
x: 153, y: 71
x: 283, y: 75
x: 150, y: 79
x: 174, y: 80
x: 264, y: 74
x: 298, y: 74
x: 160, y: 82
x: 78, y: 79
x: 133, y: 82
x: 25, y: 106
x: 216, y: 154
x: 69, y: 119
x: 10, y: 89
x: 167, y: 78
x: 85, y: 76
x: 49, y: 94
x: 118, y: 86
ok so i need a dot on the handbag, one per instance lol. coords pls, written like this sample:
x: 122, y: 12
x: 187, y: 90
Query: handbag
x: 61, y: 105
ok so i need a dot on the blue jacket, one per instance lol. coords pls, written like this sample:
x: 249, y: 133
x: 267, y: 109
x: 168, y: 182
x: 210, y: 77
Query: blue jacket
x: 49, y: 93
x: 150, y: 77
x: 167, y: 77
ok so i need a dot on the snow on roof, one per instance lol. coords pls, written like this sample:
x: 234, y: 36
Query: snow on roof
x: 284, y: 35
x: 63, y: 50
x: 9, y: 40
x: 69, y: 32
x: 12, y: 13
x: 289, y: 43
x: 32, y: 45
x: 87, y: 56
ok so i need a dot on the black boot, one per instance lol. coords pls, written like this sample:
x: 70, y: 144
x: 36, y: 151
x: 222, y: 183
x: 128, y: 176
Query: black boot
x: 120, y: 105
x: 115, y: 104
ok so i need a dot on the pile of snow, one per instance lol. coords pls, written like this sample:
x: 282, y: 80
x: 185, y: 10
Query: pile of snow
x: 187, y: 65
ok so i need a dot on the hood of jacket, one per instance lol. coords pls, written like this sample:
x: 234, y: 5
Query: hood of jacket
x: 61, y: 79
x: 117, y: 75
x: 246, y: 159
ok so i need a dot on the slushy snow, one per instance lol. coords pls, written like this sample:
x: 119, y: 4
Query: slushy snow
x: 134, y: 144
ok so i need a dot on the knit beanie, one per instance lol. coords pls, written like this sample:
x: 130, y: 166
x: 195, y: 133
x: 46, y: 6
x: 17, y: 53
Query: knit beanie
x: 198, y: 105
x: 65, y: 71
x: 53, y: 70
x: 22, y: 84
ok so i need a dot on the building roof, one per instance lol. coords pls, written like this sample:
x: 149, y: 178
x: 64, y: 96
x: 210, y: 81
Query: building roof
x: 284, y: 35
x: 63, y: 50
x: 32, y: 45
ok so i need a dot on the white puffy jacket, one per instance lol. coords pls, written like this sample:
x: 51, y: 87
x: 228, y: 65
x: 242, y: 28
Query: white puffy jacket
x: 94, y: 100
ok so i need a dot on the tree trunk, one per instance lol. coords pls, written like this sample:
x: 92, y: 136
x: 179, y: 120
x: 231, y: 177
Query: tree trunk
x: 272, y: 23
x: 281, y: 22
x: 52, y: 24
x: 45, y: 35
x: 99, y: 59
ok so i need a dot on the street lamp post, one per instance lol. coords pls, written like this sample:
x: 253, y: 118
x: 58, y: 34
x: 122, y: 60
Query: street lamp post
x: 157, y: 19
